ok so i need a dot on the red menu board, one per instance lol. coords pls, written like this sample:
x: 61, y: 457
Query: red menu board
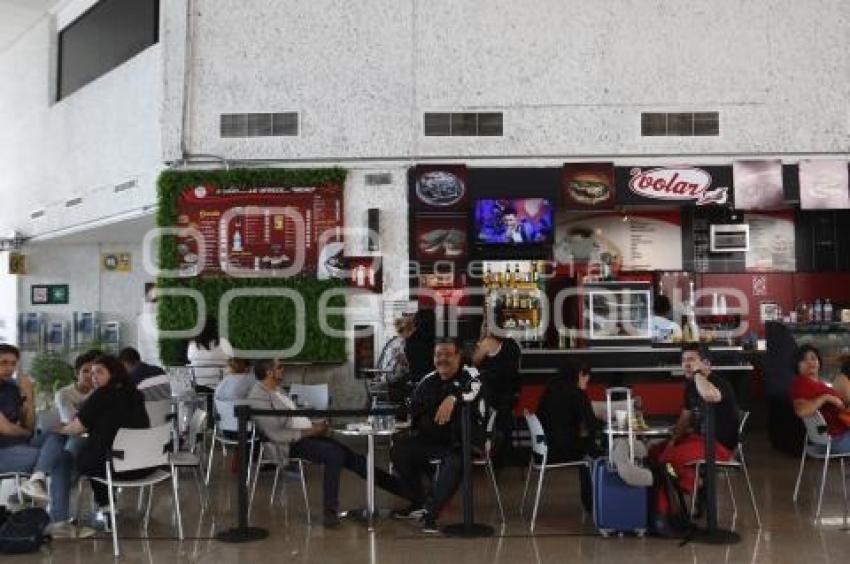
x: 257, y: 230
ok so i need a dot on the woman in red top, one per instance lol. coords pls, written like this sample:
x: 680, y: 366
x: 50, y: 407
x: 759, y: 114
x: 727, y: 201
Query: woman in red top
x: 809, y: 394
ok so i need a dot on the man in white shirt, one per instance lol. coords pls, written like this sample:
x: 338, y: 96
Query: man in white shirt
x: 310, y: 441
x: 237, y: 383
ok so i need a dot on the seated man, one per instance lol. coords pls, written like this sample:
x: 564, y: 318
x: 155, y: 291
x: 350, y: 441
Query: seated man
x: 299, y: 438
x: 151, y: 380
x: 19, y: 451
x: 436, y: 424
x: 687, y: 443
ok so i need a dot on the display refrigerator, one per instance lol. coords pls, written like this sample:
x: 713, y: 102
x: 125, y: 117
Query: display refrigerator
x: 616, y: 313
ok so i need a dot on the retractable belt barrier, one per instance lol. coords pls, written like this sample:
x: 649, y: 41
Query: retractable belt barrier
x: 242, y: 532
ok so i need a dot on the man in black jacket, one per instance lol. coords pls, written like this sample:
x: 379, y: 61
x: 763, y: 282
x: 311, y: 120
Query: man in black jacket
x: 436, y: 421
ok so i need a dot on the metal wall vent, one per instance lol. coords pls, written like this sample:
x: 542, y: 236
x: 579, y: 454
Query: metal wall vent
x: 283, y: 124
x: 37, y: 214
x: 73, y: 202
x: 379, y: 179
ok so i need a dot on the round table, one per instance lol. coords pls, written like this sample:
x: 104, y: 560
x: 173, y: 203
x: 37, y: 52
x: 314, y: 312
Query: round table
x: 368, y: 431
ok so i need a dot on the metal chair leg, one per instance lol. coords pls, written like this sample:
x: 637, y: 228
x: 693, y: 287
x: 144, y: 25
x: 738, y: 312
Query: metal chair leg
x: 304, y: 490
x: 750, y: 490
x: 822, y: 482
x: 537, y: 497
x: 256, y: 478
x: 177, y: 504
x: 731, y: 493
x: 112, y: 516
x: 210, y: 459
x: 799, y: 474
x: 695, y: 491
x: 150, y: 503
x: 274, y: 483
x: 844, y: 487
x: 496, y: 489
x: 525, y: 489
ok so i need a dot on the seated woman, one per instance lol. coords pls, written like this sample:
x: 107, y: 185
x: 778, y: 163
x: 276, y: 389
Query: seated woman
x: 809, y: 394
x: 208, y: 355
x: 115, y: 403
x: 571, y: 429
x: 237, y: 382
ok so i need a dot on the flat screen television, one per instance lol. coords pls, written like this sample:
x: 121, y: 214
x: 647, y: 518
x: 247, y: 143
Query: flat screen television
x: 514, y: 221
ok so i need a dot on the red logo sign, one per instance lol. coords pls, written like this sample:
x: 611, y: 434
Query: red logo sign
x: 686, y: 183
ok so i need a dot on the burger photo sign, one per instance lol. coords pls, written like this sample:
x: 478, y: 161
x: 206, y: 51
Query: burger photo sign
x: 588, y: 186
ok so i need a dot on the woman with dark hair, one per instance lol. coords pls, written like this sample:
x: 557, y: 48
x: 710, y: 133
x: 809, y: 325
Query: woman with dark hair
x: 114, y: 404
x: 572, y: 430
x: 809, y: 394
x: 567, y: 415
x: 208, y: 356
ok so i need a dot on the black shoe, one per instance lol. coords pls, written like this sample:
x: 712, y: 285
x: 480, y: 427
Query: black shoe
x: 429, y: 524
x: 330, y: 520
x: 413, y: 511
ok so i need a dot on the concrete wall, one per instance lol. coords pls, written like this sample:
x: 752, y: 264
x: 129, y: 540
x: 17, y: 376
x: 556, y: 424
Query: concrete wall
x: 105, y: 134
x: 571, y: 77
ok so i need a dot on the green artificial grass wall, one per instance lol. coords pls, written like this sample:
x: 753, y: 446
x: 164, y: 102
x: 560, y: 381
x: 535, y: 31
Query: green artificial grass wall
x: 259, y: 323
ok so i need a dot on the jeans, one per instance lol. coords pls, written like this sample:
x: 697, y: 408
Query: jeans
x: 335, y: 456
x: 411, y: 459
x: 840, y: 444
x: 46, y: 453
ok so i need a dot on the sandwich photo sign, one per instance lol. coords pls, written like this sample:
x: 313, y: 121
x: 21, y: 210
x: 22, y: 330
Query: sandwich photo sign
x: 678, y: 185
x: 588, y: 186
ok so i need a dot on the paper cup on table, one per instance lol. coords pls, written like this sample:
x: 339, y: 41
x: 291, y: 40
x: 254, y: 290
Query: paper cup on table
x: 622, y: 418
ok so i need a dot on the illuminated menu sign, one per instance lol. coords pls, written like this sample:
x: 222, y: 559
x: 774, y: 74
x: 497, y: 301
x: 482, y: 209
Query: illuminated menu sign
x: 261, y: 230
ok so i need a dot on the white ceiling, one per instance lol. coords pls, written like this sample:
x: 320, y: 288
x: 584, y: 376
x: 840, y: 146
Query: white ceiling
x: 17, y: 16
x: 126, y: 231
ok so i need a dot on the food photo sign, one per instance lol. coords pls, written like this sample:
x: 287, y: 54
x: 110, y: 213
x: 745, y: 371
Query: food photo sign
x: 588, y: 186
x: 637, y: 241
x: 441, y: 189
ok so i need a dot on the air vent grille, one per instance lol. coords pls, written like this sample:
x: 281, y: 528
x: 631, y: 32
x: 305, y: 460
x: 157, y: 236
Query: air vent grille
x: 379, y: 179
x: 282, y: 124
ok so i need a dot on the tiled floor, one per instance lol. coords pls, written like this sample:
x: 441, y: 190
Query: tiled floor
x: 789, y: 533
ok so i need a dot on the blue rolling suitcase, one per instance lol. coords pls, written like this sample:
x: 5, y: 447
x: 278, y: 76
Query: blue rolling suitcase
x: 618, y: 507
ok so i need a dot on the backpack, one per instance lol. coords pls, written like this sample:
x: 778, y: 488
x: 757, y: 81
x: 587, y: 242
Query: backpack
x: 669, y: 514
x: 23, y: 531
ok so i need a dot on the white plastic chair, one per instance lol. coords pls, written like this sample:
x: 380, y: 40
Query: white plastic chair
x: 18, y: 477
x: 540, y: 449
x: 226, y: 421
x: 159, y: 412
x: 737, y: 462
x: 818, y: 445
x: 270, y: 455
x: 316, y: 396
x: 486, y: 461
x: 192, y: 457
x: 138, y: 449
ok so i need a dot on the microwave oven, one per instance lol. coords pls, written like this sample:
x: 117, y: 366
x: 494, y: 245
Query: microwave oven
x: 730, y: 238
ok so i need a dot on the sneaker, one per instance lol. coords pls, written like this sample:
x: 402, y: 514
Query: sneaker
x: 411, y: 512
x: 330, y: 519
x: 429, y: 524
x: 35, y: 489
x: 67, y: 530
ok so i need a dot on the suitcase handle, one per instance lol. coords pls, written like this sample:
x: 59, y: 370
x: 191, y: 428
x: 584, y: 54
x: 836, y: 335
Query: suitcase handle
x: 609, y: 392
